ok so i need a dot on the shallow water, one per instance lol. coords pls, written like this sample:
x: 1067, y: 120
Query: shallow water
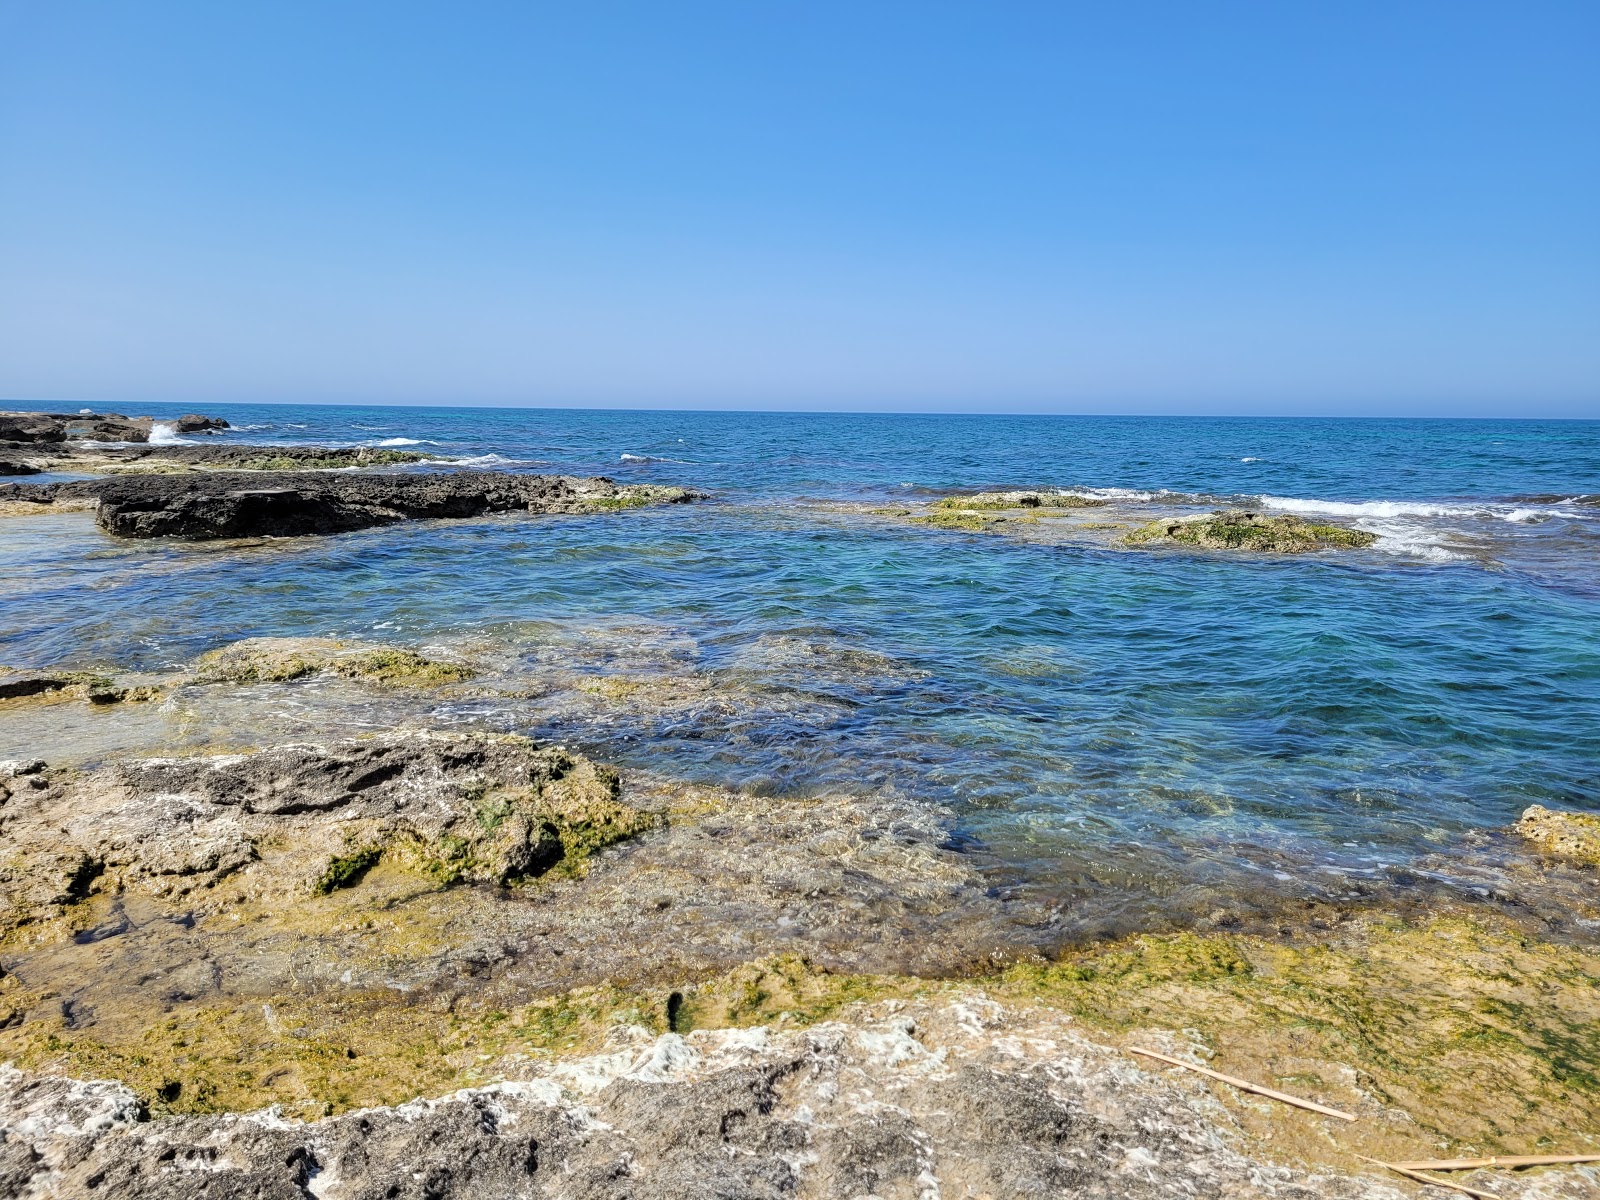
x: 1113, y: 725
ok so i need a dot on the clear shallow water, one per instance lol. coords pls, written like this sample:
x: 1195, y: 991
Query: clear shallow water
x: 1107, y: 722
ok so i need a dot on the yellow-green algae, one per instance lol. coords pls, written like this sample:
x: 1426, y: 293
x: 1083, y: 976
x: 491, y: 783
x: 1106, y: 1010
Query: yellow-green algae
x: 1286, y: 534
x: 277, y: 660
x: 998, y: 501
x: 1484, y: 1036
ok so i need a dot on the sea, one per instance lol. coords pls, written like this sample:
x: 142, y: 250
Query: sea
x: 1115, y: 729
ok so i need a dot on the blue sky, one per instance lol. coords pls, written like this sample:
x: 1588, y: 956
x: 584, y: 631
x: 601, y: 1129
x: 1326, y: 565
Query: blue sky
x: 1218, y: 207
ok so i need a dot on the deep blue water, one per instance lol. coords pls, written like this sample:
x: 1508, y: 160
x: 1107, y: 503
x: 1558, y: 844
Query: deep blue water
x: 1136, y: 715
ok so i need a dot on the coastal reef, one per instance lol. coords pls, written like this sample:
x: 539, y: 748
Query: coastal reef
x: 46, y: 427
x: 1235, y: 529
x: 285, y: 504
x: 165, y: 459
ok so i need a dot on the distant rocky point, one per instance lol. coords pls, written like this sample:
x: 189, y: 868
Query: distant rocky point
x: 94, y: 427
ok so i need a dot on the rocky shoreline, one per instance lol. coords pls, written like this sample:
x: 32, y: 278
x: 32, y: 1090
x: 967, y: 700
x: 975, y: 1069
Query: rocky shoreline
x: 432, y: 961
x: 340, y: 928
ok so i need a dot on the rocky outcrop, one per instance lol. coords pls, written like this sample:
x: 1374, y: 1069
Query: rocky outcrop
x: 195, y: 423
x: 1570, y: 835
x: 281, y: 504
x: 94, y: 686
x: 1241, y: 530
x: 453, y: 808
x: 89, y: 426
x: 894, y: 1101
x: 163, y: 458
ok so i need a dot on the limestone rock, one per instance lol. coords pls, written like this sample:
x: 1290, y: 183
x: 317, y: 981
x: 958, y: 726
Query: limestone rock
x: 1572, y: 835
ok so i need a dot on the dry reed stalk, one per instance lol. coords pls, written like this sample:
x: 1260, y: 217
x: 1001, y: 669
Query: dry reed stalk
x: 1247, y: 1086
x: 1497, y: 1160
x: 1421, y: 1178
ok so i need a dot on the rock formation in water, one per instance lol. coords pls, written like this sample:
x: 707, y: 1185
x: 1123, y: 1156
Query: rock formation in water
x: 284, y: 504
x: 161, y: 458
x: 36, y: 427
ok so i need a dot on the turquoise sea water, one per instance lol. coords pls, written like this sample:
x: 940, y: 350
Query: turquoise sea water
x: 1113, y: 725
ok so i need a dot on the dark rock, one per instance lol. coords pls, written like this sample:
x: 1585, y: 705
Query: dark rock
x: 285, y: 504
x: 12, y: 467
x: 32, y: 427
x: 36, y: 427
x: 195, y: 423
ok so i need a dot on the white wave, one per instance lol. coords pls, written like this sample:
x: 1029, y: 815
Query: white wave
x: 1249, y: 460
x: 165, y: 433
x: 1372, y: 508
x: 498, y: 460
x: 1410, y: 541
x: 1113, y: 493
x: 399, y: 441
x: 650, y: 458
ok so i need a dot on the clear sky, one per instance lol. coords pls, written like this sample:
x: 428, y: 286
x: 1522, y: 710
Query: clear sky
x: 1285, y: 206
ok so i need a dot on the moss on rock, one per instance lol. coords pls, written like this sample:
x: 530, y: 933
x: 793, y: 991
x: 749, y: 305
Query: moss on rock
x: 1238, y: 530
x: 277, y: 660
x: 994, y: 501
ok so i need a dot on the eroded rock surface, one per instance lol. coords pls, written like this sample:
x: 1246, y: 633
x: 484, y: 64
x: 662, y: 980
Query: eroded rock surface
x: 295, y: 821
x: 901, y: 1102
x: 225, y: 504
x: 1570, y: 835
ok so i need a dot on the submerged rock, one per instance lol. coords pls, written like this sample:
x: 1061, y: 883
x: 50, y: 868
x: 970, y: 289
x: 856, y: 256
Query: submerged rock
x: 1242, y: 530
x: 281, y: 504
x: 1572, y: 835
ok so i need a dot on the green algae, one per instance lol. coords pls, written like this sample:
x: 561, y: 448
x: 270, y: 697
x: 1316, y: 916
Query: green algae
x: 393, y: 666
x: 998, y: 501
x: 279, y: 660
x: 975, y: 522
x: 1286, y: 534
x: 346, y: 870
x: 321, y: 462
x: 1482, y: 1034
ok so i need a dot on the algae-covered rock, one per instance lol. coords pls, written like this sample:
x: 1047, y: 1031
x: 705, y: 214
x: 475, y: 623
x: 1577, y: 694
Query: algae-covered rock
x: 277, y: 660
x: 992, y: 501
x: 957, y: 1099
x: 94, y: 686
x: 1571, y: 835
x: 220, y: 830
x: 1241, y: 530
